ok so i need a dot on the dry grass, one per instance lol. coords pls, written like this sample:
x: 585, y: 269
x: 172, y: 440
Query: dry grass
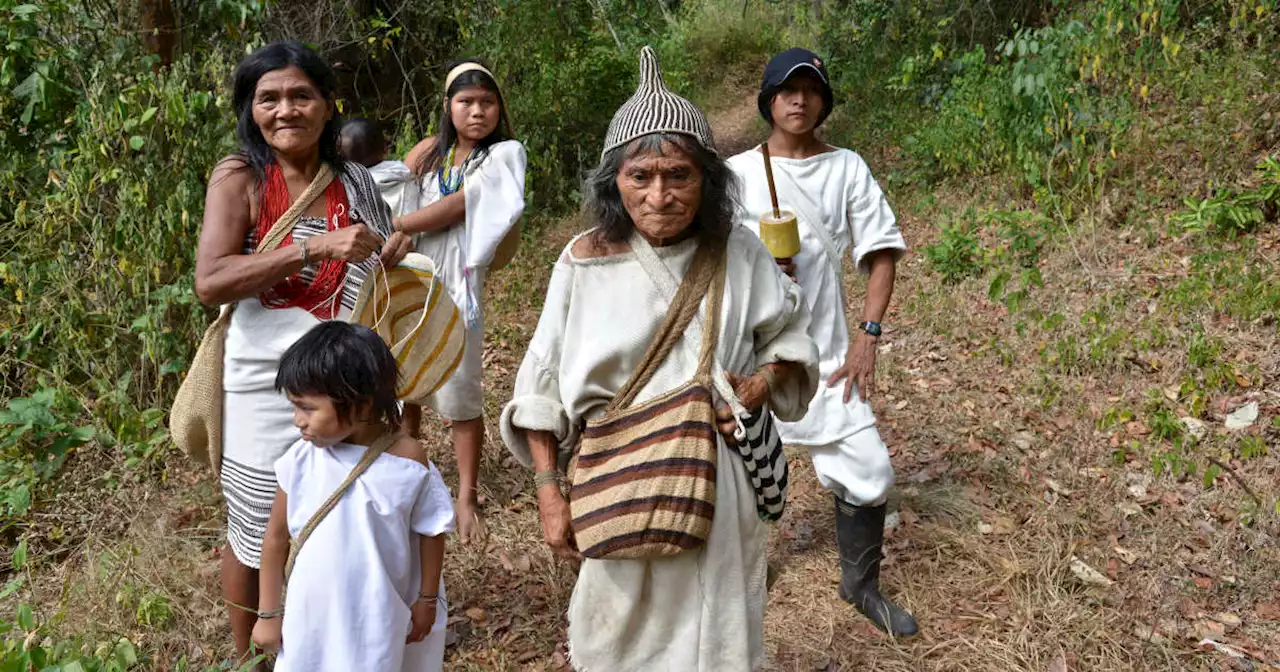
x: 1004, y: 476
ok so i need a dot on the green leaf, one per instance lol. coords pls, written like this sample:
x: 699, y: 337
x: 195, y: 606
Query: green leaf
x: 26, y: 619
x: 996, y: 289
x: 73, y: 666
x: 10, y: 588
x: 23, y: 11
x: 126, y: 655
x: 136, y: 142
x: 18, y: 499
x: 148, y: 115
x: 83, y: 434
x: 20, y: 555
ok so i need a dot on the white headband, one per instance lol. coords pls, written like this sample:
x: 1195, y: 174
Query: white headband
x: 465, y: 67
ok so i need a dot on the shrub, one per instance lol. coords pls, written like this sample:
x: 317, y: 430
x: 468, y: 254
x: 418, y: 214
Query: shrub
x: 956, y: 255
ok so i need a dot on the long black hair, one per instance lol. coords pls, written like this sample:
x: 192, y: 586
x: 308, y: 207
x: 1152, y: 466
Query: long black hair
x: 603, y: 201
x: 448, y: 135
x: 277, y: 56
x: 348, y: 363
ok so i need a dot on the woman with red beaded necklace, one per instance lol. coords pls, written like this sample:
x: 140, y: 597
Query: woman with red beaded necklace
x: 287, y: 128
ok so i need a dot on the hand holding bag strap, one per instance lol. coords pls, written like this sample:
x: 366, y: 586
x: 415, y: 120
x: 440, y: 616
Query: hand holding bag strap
x: 684, y: 307
x: 371, y: 454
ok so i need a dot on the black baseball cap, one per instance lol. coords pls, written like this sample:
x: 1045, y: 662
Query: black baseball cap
x: 785, y: 66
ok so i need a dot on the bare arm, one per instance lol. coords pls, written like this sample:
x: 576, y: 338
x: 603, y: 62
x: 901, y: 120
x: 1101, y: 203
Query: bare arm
x: 275, y: 551
x: 432, y: 551
x: 860, y: 360
x: 223, y: 273
x: 414, y: 157
x: 879, y: 284
x: 557, y: 526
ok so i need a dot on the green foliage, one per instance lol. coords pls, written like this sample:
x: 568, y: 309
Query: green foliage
x: 1233, y: 212
x: 956, y: 254
x: 34, y: 441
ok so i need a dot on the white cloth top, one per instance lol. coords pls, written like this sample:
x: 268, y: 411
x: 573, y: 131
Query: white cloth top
x: 398, y: 185
x: 494, y: 193
x: 347, y: 606
x: 856, y: 215
x: 702, y: 609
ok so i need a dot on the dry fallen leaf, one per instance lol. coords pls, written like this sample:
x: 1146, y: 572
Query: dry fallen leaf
x: 1207, y: 629
x: 1127, y: 556
x: 1057, y: 487
x: 1058, y: 664
x: 1129, y: 509
x: 477, y: 615
x: 1268, y: 611
x: 1087, y: 574
x: 1243, y: 417
x: 1228, y: 620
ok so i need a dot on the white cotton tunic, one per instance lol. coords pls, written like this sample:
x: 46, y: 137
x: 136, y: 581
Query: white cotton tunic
x: 398, y: 186
x: 840, y: 190
x: 347, y: 606
x: 494, y: 193
x: 701, y: 610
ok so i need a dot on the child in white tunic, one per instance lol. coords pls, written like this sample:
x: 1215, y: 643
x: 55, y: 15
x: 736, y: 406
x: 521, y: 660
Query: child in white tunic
x: 472, y: 195
x: 841, y: 211
x: 364, y: 142
x: 366, y: 591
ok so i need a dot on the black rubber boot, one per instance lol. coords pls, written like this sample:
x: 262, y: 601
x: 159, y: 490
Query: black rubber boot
x: 859, y: 533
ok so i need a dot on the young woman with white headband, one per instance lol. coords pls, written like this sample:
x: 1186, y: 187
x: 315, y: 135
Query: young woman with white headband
x: 472, y: 176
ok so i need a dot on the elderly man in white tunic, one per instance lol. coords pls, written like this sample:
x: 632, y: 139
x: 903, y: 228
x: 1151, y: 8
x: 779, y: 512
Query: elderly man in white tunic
x: 659, y: 197
x: 841, y: 211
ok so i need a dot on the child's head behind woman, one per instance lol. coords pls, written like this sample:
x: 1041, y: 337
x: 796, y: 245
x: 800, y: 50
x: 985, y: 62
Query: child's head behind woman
x: 341, y: 379
x: 474, y: 110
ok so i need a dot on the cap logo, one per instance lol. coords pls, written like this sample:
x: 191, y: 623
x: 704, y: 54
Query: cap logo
x: 817, y: 62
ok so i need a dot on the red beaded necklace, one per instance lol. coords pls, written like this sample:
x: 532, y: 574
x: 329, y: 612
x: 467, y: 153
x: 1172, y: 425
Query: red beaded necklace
x: 321, y: 295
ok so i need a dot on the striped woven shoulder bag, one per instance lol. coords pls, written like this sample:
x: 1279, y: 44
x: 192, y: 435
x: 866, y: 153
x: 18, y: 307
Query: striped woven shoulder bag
x: 645, y: 480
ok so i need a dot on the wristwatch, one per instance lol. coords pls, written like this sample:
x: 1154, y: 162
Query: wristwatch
x: 872, y: 328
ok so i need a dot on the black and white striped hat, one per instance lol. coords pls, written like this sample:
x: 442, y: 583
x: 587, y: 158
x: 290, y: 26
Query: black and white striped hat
x: 655, y: 109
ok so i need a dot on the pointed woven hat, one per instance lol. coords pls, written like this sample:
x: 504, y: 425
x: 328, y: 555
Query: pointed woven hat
x: 655, y: 109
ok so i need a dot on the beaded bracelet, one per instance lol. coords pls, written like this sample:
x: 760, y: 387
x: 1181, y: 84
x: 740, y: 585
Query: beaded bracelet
x: 306, y: 254
x: 271, y: 613
x: 422, y: 597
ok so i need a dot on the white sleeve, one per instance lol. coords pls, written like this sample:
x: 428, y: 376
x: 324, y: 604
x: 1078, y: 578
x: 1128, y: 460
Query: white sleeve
x: 433, y: 510
x: 779, y: 321
x: 871, y: 220
x: 494, y: 194
x: 288, y: 466
x: 536, y: 403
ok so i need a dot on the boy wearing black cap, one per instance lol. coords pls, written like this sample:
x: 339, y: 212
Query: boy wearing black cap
x: 841, y: 211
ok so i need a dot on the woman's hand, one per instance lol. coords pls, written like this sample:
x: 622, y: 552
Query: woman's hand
x: 398, y: 245
x: 859, y: 367
x: 353, y: 243
x: 422, y: 617
x: 557, y: 522
x: 266, y: 633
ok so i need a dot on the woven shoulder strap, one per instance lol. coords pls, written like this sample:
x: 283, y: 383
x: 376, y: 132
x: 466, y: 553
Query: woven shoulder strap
x: 371, y: 454
x: 705, y: 275
x: 282, y: 227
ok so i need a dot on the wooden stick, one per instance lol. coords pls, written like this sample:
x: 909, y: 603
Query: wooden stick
x: 1239, y: 479
x: 768, y: 174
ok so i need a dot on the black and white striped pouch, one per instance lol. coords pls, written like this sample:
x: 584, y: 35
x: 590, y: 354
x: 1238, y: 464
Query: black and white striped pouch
x: 766, y: 463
